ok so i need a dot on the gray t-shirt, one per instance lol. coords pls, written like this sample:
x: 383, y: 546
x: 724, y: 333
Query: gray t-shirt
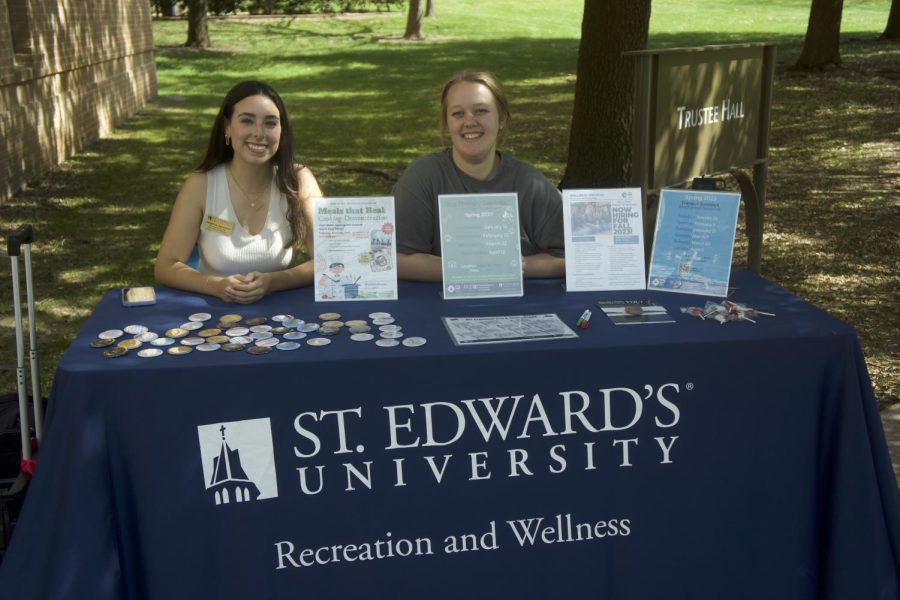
x: 416, y: 196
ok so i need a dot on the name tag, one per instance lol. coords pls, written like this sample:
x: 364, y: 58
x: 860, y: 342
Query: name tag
x: 217, y: 225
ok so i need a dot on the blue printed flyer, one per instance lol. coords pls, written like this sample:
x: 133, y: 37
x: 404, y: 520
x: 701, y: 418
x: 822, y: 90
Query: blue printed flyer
x: 694, y: 242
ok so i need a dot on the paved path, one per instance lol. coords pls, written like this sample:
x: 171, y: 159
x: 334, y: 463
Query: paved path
x: 891, y: 419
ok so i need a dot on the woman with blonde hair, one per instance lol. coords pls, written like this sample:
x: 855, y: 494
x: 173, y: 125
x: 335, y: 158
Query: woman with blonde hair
x: 474, y: 111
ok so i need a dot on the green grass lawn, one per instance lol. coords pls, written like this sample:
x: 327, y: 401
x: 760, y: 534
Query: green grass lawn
x: 363, y: 103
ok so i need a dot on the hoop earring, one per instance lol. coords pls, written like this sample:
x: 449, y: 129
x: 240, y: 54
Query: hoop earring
x: 227, y: 140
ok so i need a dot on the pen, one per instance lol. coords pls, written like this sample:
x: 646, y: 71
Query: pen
x: 585, y: 315
x: 586, y: 321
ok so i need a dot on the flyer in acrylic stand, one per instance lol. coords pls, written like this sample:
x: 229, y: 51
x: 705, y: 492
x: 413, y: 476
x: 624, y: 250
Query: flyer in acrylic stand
x: 604, y: 237
x: 694, y: 242
x: 480, y: 248
x: 355, y: 249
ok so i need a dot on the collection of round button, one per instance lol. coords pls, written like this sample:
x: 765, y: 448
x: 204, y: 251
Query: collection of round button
x: 255, y: 335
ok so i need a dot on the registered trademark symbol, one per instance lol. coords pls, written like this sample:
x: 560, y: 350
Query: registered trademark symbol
x: 689, y: 386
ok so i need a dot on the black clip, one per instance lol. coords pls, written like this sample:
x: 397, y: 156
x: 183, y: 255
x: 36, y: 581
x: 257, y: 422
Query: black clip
x: 14, y: 241
x: 704, y: 183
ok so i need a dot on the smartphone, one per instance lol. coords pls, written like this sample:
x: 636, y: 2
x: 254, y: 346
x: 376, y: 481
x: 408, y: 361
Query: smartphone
x: 138, y: 296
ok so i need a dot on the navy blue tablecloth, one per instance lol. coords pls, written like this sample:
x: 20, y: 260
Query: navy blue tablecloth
x: 687, y: 460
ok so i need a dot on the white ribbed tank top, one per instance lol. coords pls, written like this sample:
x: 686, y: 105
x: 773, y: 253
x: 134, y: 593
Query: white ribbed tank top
x: 240, y: 253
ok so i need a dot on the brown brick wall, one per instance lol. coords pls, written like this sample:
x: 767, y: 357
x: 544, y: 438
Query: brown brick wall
x: 70, y: 71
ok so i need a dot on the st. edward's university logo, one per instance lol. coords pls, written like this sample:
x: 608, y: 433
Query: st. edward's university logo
x: 238, y: 461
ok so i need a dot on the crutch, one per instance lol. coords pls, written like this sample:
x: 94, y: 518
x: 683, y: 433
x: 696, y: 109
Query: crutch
x: 20, y: 241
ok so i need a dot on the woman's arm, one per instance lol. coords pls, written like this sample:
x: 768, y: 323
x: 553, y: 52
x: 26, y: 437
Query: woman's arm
x: 419, y: 267
x: 179, y: 240
x: 427, y: 267
x: 543, y: 265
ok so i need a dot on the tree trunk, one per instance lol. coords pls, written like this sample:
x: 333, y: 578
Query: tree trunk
x: 198, y: 33
x: 600, y: 135
x: 429, y: 8
x: 414, y: 20
x: 892, y: 30
x: 821, y: 47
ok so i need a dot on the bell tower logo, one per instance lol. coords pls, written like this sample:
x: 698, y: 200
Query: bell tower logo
x: 238, y: 461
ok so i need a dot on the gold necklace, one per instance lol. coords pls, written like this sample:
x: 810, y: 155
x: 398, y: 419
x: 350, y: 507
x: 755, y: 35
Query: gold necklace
x: 256, y: 203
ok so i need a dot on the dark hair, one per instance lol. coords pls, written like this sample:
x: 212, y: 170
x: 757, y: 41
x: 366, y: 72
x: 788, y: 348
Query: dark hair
x: 286, y: 165
x: 487, y: 79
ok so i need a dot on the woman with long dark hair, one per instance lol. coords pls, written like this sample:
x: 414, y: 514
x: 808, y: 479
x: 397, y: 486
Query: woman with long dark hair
x: 247, y: 207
